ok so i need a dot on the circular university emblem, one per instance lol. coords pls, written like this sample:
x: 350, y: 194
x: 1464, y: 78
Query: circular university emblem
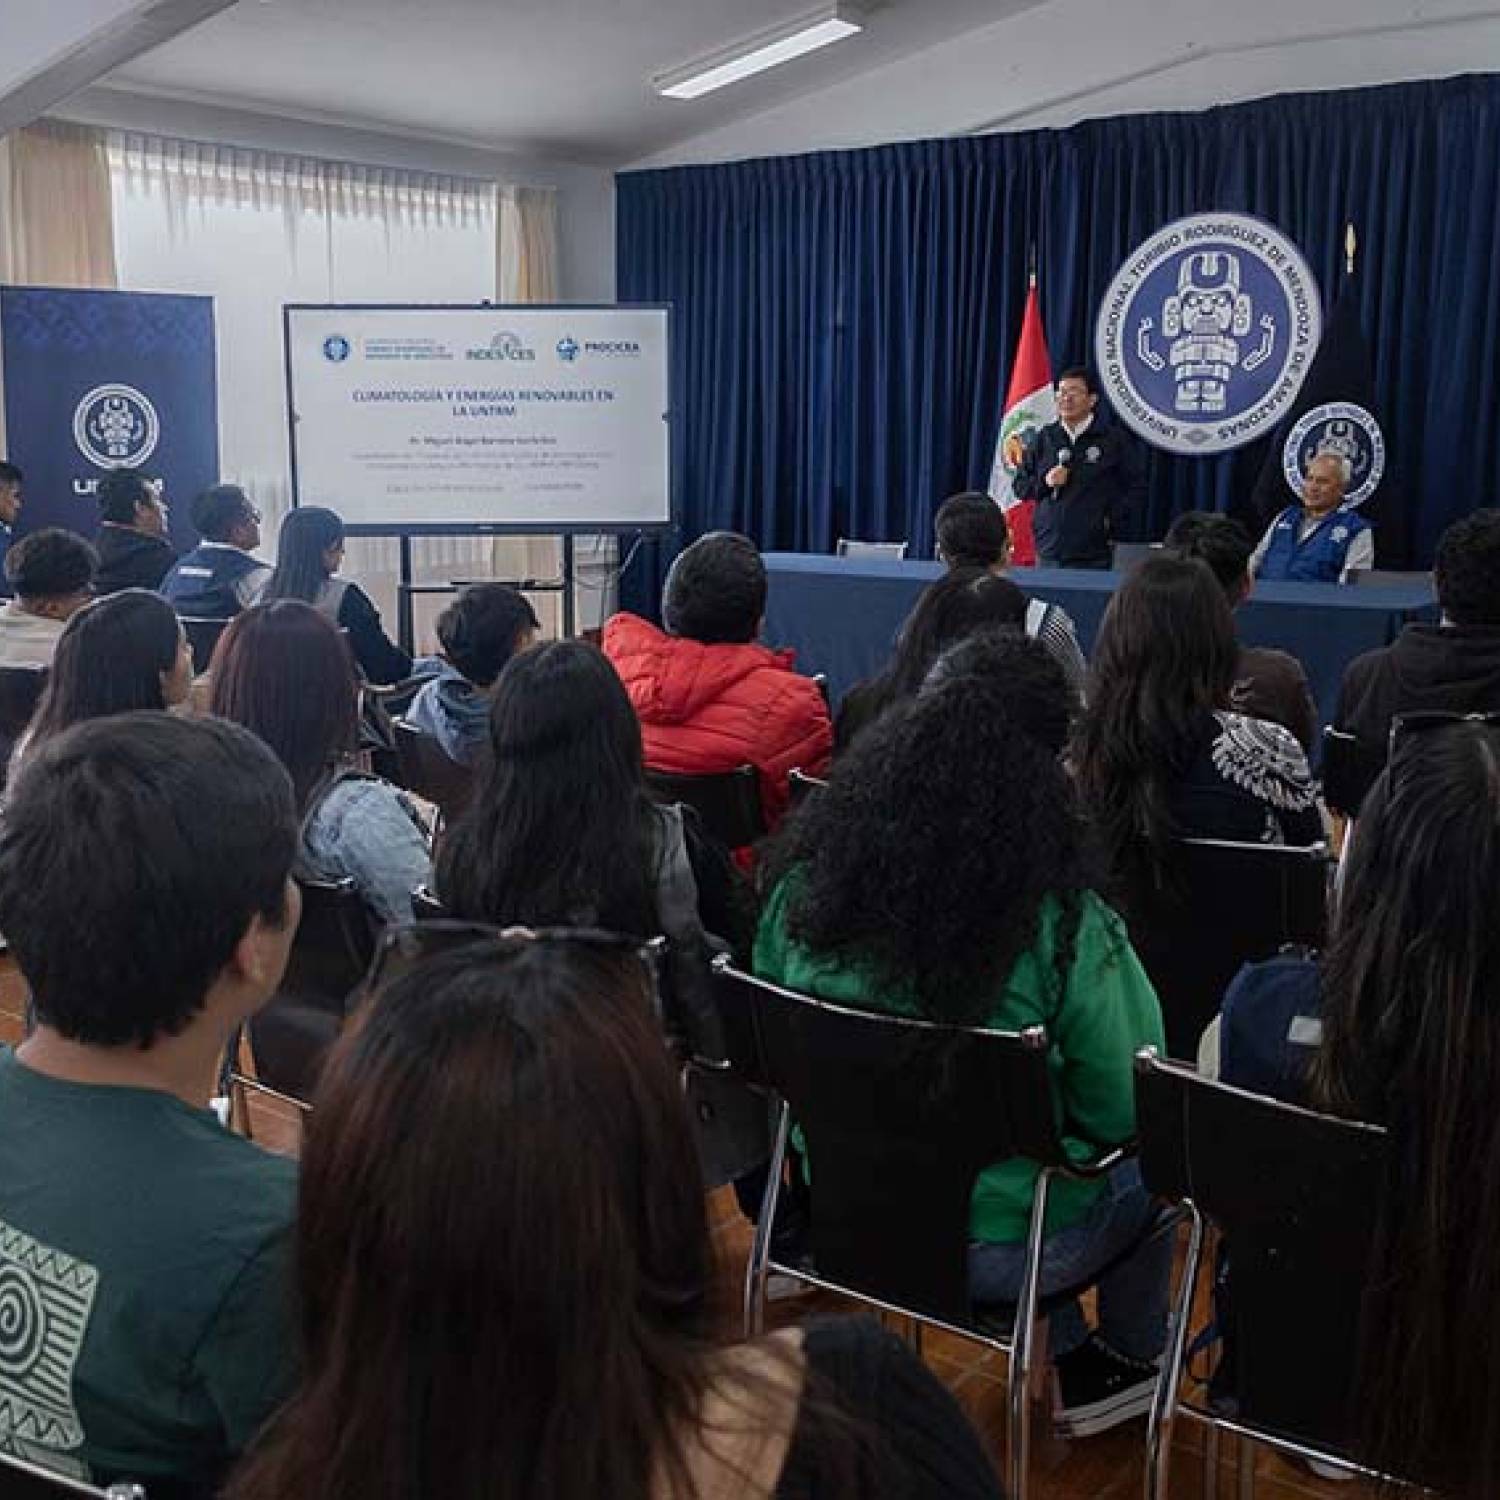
x: 1344, y: 430
x: 336, y: 349
x: 116, y: 427
x: 1207, y: 331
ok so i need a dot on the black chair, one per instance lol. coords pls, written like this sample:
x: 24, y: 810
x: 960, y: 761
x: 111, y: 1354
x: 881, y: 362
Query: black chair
x: 330, y: 956
x: 202, y: 636
x: 900, y: 1117
x: 1351, y: 766
x: 1296, y: 1195
x: 800, y: 786
x: 20, y: 1480
x: 728, y: 803
x: 425, y: 907
x: 865, y: 551
x: 427, y: 770
x: 1222, y: 905
x: 1377, y: 578
x: 20, y: 691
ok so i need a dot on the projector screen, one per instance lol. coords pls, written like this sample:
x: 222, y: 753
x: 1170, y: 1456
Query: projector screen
x: 470, y: 418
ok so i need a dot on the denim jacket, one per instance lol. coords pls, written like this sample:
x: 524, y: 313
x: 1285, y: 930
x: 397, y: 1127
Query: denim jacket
x: 363, y: 829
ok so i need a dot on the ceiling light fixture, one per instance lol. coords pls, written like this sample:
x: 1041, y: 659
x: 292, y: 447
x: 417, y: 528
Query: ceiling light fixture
x: 831, y: 22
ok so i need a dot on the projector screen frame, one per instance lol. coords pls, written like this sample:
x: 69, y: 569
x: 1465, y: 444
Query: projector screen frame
x: 488, y: 528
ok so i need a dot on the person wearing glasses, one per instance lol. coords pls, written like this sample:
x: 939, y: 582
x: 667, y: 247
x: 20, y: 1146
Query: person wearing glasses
x: 507, y: 1274
x: 221, y: 575
x: 146, y: 895
x: 1398, y: 1024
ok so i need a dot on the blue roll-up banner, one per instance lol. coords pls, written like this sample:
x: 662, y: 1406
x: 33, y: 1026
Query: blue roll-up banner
x: 105, y: 380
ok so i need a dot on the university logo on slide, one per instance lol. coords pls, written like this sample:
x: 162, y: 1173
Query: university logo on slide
x: 116, y: 427
x: 336, y: 349
x: 1345, y: 430
x: 1207, y: 331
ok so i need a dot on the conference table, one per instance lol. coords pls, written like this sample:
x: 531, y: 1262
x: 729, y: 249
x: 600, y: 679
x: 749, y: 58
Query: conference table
x: 841, y: 615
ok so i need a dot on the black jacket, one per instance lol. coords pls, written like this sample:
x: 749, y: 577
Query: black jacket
x: 129, y: 559
x: 1074, y: 526
x: 1448, y: 668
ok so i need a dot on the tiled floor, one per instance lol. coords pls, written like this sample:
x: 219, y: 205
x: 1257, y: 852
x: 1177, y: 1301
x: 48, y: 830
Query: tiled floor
x: 1104, y: 1468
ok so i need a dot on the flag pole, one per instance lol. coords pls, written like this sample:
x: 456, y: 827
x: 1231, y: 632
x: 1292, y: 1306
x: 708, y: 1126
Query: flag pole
x: 1031, y: 266
x: 1351, y: 245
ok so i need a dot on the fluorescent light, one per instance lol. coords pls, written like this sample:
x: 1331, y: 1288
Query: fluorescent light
x: 831, y: 23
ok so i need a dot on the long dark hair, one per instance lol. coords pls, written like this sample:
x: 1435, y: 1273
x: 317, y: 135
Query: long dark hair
x: 503, y: 1248
x: 560, y: 827
x: 284, y: 671
x: 964, y: 601
x: 1163, y: 664
x: 305, y: 537
x: 110, y: 659
x: 941, y: 833
x: 1411, y: 1039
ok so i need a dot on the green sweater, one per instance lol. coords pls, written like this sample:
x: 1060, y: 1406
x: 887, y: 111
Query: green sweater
x: 1108, y: 1011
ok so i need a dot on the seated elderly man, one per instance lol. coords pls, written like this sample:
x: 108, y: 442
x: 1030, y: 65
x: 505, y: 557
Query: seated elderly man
x: 1322, y: 540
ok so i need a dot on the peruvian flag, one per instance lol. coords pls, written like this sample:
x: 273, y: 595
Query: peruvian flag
x: 1029, y: 407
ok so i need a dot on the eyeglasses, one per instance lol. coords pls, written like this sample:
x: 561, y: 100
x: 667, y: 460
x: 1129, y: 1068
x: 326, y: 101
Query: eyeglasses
x: 1404, y: 726
x: 405, y: 947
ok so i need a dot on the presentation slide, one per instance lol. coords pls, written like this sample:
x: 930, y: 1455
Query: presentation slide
x: 481, y: 416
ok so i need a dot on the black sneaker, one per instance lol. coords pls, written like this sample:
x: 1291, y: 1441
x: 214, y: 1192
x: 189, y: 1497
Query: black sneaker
x: 1100, y: 1389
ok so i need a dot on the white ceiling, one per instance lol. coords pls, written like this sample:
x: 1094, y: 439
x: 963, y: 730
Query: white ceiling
x: 569, y: 79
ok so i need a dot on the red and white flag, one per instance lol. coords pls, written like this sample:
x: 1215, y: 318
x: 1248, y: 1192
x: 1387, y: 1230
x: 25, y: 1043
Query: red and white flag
x: 1029, y: 406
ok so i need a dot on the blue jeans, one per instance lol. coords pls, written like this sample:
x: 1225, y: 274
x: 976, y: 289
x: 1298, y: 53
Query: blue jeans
x: 1132, y: 1297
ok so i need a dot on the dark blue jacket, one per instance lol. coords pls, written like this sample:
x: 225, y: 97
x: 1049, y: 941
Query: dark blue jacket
x: 202, y: 584
x: 1075, y: 525
x: 1321, y: 557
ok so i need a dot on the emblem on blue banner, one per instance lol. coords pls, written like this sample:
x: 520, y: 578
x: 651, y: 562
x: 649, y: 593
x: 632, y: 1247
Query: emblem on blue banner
x: 1207, y: 331
x: 116, y: 427
x: 1345, y: 430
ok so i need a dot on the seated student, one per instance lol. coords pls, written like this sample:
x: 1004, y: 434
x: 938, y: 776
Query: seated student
x: 134, y: 552
x: 284, y: 672
x: 460, y: 1322
x: 11, y: 482
x: 1453, y: 666
x: 51, y: 573
x: 972, y: 532
x: 114, y: 656
x: 1399, y: 1025
x: 944, y: 873
x: 962, y: 603
x: 1321, y: 540
x: 1159, y: 755
x: 144, y: 892
x: 710, y: 697
x: 219, y: 577
x: 308, y: 553
x: 1268, y: 684
x: 480, y: 631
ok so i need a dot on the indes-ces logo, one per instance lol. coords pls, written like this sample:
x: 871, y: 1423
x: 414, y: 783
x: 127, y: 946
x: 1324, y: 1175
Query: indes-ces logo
x: 505, y: 345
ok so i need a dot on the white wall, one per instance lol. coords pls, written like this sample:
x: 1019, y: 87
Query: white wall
x: 585, y: 194
x: 1070, y: 60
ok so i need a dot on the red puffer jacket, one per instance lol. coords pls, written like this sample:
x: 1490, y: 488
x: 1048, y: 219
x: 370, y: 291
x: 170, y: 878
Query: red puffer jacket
x: 705, y: 709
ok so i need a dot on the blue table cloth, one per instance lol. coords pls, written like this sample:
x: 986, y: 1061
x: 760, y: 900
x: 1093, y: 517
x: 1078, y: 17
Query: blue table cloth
x: 842, y: 615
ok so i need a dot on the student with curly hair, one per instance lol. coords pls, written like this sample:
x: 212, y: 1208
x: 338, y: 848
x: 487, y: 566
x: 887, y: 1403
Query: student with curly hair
x: 944, y: 874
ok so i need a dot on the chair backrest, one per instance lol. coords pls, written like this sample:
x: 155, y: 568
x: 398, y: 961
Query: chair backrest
x: 1123, y: 556
x: 202, y: 636
x: 900, y: 1116
x: 427, y: 770
x: 1296, y: 1194
x: 1388, y: 578
x: 1224, y: 905
x: 801, y: 786
x: 727, y: 803
x: 890, y: 551
x: 20, y: 691
x: 330, y: 955
x: 1351, y: 766
x: 20, y: 1480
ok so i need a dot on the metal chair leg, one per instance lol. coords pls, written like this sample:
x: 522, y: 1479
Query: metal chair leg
x: 1163, y: 1421
x: 1023, y: 1341
x: 760, y: 1247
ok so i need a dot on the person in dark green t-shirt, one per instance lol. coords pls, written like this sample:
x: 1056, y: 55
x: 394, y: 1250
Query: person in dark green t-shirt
x: 944, y: 873
x: 145, y: 1292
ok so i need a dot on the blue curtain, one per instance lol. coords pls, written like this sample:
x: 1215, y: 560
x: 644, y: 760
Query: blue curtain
x: 843, y: 320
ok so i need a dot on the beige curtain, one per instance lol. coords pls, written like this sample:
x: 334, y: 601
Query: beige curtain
x: 526, y: 267
x: 56, y: 219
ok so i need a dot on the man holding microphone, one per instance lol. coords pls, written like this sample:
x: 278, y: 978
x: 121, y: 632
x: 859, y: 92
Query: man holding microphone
x: 1084, y: 476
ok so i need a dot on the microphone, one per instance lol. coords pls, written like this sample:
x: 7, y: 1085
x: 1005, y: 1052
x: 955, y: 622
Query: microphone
x: 1064, y: 458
